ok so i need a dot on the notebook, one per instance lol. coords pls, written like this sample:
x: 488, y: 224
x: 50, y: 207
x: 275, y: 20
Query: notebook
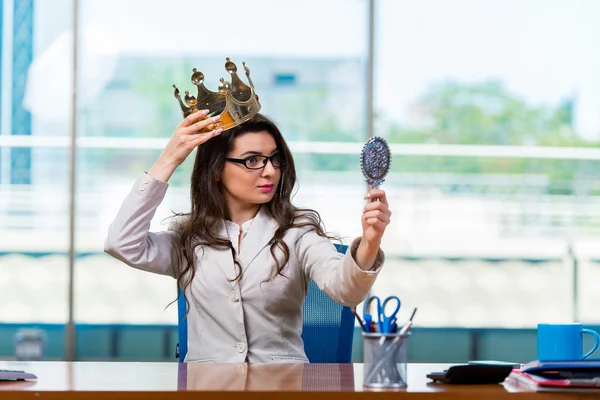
x: 518, y: 381
x: 534, y: 366
x: 563, y: 376
x: 15, y: 375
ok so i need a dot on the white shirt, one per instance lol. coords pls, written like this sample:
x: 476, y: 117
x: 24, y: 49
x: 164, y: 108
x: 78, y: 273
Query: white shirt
x: 233, y: 232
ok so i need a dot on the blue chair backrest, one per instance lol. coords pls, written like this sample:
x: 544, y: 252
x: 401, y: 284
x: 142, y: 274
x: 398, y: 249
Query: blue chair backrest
x: 327, y: 331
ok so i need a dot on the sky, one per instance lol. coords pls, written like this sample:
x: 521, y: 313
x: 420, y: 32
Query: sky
x: 544, y: 50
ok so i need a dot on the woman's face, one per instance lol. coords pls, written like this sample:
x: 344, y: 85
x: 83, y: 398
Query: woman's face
x: 243, y: 187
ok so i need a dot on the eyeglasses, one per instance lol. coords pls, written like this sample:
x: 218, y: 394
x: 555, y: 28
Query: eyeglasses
x: 259, y: 162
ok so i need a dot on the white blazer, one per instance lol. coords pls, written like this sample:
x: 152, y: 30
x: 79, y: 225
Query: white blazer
x: 254, y: 319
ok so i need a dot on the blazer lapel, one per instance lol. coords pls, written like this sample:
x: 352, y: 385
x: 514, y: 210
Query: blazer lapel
x: 223, y: 257
x: 259, y: 234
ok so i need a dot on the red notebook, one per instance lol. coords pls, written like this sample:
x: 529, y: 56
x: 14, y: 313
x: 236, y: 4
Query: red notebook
x: 518, y: 380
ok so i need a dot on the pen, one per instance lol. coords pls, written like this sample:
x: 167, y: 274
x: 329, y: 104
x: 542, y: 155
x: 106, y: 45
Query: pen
x: 360, y: 321
x: 408, y: 325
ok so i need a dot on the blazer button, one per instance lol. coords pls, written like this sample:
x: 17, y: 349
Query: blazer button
x: 233, y: 296
x: 241, y: 347
x: 142, y: 187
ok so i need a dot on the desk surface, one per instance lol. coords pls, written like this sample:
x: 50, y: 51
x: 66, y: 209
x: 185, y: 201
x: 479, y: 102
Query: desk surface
x: 148, y: 380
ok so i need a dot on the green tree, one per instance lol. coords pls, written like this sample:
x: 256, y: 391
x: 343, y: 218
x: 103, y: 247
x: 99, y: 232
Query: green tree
x: 487, y: 113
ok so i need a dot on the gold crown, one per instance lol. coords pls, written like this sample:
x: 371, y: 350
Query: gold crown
x: 235, y: 102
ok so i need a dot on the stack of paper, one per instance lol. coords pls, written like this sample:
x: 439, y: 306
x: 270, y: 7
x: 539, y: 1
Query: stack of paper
x: 563, y: 376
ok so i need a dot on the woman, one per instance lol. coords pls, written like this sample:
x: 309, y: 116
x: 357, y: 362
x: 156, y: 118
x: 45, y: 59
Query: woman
x: 244, y: 254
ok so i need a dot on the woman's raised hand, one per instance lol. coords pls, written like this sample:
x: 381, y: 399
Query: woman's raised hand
x: 184, y: 140
x: 376, y: 216
x: 375, y: 219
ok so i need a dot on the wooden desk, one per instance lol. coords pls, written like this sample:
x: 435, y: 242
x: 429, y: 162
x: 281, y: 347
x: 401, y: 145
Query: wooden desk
x: 171, y: 380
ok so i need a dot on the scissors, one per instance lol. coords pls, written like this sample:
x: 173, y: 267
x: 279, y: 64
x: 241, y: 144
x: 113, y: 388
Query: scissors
x: 384, y: 323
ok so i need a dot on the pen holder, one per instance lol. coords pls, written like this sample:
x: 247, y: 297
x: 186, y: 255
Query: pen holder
x: 385, y: 357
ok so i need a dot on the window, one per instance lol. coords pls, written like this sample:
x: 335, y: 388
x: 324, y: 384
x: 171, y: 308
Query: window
x: 491, y: 109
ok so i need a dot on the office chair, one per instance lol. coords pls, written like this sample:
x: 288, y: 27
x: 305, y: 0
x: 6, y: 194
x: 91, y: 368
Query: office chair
x: 327, y: 329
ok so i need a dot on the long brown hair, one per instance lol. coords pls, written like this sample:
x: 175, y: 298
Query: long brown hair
x: 209, y: 207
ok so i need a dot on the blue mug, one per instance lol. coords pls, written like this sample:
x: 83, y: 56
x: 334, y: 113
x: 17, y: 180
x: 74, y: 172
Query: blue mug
x: 563, y: 342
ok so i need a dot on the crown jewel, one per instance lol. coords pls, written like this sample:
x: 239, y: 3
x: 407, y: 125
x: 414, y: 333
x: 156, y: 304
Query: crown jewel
x: 235, y: 102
